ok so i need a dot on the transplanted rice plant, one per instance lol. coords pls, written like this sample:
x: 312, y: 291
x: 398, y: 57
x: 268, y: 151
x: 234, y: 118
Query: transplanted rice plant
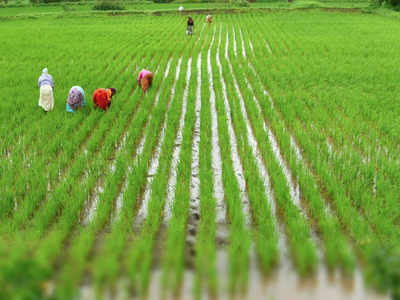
x: 267, y: 145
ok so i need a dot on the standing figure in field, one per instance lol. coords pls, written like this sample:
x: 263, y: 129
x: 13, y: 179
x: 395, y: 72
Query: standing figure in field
x: 102, y: 98
x: 46, y: 86
x: 190, y: 25
x: 209, y: 19
x: 145, y: 79
x: 76, y: 99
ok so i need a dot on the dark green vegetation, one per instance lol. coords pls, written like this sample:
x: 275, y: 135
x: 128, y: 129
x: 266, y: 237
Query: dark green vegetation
x: 308, y: 100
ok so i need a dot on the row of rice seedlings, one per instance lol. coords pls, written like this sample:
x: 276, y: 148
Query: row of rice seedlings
x: 264, y: 224
x: 232, y: 138
x: 335, y: 245
x: 218, y: 190
x: 348, y: 215
x: 61, y: 161
x: 205, y: 264
x: 239, y: 240
x: 297, y: 227
x: 173, y: 258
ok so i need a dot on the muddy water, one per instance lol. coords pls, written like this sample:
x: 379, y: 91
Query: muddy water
x: 216, y: 152
x: 237, y: 165
x: 155, y: 160
x: 90, y: 210
x: 177, y: 150
x: 194, y: 208
x: 284, y: 283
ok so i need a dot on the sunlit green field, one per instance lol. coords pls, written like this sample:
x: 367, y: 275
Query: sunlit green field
x: 266, y: 153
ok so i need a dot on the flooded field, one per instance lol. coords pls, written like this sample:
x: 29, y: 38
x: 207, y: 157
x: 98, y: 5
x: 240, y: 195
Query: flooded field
x: 259, y: 165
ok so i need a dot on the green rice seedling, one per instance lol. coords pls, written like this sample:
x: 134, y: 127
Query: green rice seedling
x: 206, y: 277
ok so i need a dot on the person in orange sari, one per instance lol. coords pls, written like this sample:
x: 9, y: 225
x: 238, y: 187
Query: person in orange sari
x: 102, y: 98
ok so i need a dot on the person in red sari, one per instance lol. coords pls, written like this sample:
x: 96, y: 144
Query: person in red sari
x: 102, y: 98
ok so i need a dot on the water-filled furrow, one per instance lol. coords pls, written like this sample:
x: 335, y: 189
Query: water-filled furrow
x: 234, y: 41
x: 243, y: 47
x: 177, y: 150
x: 268, y: 47
x: 194, y: 207
x: 237, y: 165
x: 216, y: 151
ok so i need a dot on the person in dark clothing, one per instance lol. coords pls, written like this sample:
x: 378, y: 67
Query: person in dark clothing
x: 190, y: 25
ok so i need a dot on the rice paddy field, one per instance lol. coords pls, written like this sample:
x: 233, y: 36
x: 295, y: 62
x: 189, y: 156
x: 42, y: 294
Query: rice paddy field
x: 262, y: 164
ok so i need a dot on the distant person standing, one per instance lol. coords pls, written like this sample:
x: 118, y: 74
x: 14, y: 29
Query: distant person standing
x: 46, y: 86
x: 76, y: 99
x: 190, y: 25
x: 209, y: 19
x: 102, y: 98
x: 145, y: 79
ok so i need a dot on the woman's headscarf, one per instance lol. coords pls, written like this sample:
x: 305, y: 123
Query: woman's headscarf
x: 75, y: 98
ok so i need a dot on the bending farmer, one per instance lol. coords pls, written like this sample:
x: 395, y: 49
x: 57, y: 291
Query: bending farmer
x: 145, y: 79
x: 102, y: 98
x: 209, y: 19
x: 76, y: 99
x: 46, y: 85
x: 190, y: 25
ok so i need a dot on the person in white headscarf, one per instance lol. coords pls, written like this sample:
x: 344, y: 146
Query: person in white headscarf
x: 46, y: 86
